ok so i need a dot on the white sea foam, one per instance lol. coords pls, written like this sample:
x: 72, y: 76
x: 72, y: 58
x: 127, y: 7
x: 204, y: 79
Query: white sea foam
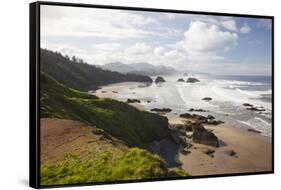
x: 228, y: 97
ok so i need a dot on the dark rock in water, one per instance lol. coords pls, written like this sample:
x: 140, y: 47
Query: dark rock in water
x: 103, y: 91
x: 247, y: 105
x: 231, y: 153
x: 210, y: 117
x: 133, y: 100
x: 207, y: 98
x: 148, y: 101
x: 255, y: 109
x: 159, y: 79
x: 210, y: 152
x: 214, y: 122
x: 161, y: 109
x: 254, y: 131
x: 203, y: 136
x: 197, y: 110
x: 180, y: 80
x: 114, y: 91
x: 192, y: 80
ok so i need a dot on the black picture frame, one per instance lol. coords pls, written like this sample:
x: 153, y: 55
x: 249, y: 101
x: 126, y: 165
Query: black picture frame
x: 34, y: 83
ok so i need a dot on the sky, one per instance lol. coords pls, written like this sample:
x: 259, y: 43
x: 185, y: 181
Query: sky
x: 213, y: 44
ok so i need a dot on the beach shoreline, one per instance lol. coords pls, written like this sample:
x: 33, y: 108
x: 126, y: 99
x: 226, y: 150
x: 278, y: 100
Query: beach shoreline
x: 248, y: 146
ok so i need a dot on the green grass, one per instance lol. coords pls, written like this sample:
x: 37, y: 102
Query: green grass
x: 125, y: 122
x: 133, y: 164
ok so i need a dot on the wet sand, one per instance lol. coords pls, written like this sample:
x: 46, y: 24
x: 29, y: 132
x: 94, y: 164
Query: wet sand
x: 253, y: 151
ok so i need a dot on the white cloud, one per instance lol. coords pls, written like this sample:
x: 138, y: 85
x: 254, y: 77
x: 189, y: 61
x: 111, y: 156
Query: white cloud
x: 85, y: 22
x: 207, y: 38
x: 139, y: 48
x: 159, y: 51
x: 229, y: 24
x: 245, y: 29
x: 107, y: 46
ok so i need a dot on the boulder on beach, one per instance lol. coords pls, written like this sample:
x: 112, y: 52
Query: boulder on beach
x: 210, y: 117
x: 203, y: 136
x: 133, y: 100
x: 214, y: 122
x: 186, y: 127
x: 196, y: 117
x: 209, y: 120
x: 159, y: 79
x: 186, y: 115
x: 180, y: 80
x: 161, y: 109
x: 231, y: 153
x: 192, y: 80
x: 210, y: 152
x: 207, y: 98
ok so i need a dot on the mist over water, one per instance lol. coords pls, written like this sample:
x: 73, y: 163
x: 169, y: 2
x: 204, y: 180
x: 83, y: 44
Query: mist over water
x: 228, y: 94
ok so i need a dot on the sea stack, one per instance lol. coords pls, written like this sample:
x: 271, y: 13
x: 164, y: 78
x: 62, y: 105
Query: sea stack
x: 192, y: 80
x: 159, y: 79
x: 180, y: 80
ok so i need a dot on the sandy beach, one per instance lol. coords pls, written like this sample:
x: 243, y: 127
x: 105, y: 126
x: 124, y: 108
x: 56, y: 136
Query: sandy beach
x: 252, y: 150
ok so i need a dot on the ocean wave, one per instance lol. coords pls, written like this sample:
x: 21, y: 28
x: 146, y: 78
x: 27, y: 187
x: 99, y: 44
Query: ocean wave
x: 259, y: 124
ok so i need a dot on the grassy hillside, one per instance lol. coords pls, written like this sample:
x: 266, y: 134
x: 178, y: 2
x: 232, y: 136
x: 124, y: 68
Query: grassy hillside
x: 133, y: 164
x: 72, y: 152
x: 125, y: 122
x: 80, y: 75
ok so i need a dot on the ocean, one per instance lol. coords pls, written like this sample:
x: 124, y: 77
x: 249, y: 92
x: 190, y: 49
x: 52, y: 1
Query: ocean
x: 228, y: 93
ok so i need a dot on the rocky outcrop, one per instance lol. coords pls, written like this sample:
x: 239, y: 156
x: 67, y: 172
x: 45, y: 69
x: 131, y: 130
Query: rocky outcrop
x: 180, y: 80
x: 254, y: 131
x: 192, y: 80
x: 197, y: 110
x: 185, y: 127
x: 251, y: 107
x: 159, y: 79
x: 161, y: 109
x: 258, y: 109
x: 209, y: 120
x: 133, y: 100
x: 203, y: 136
x: 214, y: 122
x: 186, y: 115
x: 207, y: 98
x: 247, y: 105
